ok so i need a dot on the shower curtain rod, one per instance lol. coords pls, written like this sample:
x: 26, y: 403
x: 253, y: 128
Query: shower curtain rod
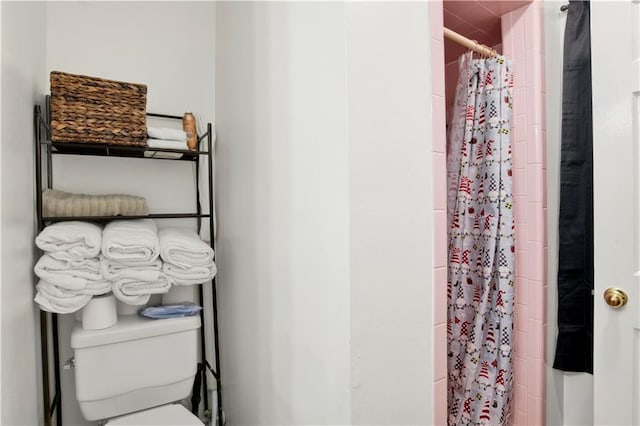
x: 471, y: 44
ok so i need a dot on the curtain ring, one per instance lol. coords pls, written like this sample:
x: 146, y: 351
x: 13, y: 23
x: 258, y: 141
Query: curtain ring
x: 484, y: 51
x: 476, y: 49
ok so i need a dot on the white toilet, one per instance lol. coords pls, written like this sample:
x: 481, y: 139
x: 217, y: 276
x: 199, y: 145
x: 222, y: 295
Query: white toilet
x: 138, y: 366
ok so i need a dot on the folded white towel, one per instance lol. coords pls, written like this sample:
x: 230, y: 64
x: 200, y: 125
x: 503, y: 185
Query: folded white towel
x: 71, y: 240
x: 133, y: 242
x: 96, y: 288
x: 60, y: 203
x: 52, y: 298
x: 136, y: 292
x: 71, y: 275
x: 166, y: 144
x: 166, y: 133
x: 114, y: 271
x: 184, y: 248
x: 192, y: 275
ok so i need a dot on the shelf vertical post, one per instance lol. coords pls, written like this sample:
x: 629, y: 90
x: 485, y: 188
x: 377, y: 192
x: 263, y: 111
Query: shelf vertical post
x: 44, y: 316
x: 54, y: 317
x: 56, y: 371
x: 44, y: 328
x: 214, y: 298
x: 38, y: 166
x: 203, y: 340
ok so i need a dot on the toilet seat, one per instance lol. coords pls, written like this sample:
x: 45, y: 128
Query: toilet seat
x: 165, y: 415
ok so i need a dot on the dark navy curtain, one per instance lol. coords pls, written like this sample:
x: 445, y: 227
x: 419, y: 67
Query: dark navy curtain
x: 574, y: 349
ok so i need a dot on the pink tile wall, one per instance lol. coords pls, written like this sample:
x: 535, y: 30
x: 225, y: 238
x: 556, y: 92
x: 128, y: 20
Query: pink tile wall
x: 522, y: 42
x: 439, y: 279
x: 477, y: 20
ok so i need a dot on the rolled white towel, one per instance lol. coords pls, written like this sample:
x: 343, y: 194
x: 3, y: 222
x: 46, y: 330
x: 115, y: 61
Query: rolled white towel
x: 114, y: 271
x: 183, y: 247
x: 167, y: 144
x: 133, y: 242
x: 72, y: 240
x: 190, y: 276
x: 167, y: 133
x: 70, y: 275
x: 52, y: 298
x: 136, y: 292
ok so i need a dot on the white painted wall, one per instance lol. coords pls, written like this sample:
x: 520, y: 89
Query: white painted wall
x: 389, y: 89
x: 325, y: 218
x: 23, y: 67
x: 168, y: 46
x: 283, y: 197
x: 569, y: 395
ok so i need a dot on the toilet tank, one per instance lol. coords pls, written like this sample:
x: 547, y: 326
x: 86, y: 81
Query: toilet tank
x: 136, y: 364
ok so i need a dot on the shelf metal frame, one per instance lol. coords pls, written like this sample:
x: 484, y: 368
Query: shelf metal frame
x: 49, y: 321
x: 75, y: 148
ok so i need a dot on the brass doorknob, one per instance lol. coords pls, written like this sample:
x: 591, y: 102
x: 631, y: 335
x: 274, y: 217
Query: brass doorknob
x: 615, y: 297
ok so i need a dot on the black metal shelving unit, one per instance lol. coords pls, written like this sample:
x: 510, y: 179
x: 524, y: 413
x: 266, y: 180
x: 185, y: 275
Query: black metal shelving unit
x: 49, y: 321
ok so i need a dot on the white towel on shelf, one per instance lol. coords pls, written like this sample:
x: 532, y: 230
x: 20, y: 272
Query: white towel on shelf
x: 72, y: 240
x: 93, y: 288
x: 167, y: 144
x: 190, y: 276
x: 96, y: 288
x: 60, y: 203
x: 71, y: 275
x: 114, y: 271
x: 136, y: 292
x: 52, y: 298
x: 167, y: 133
x: 183, y: 247
x: 133, y: 242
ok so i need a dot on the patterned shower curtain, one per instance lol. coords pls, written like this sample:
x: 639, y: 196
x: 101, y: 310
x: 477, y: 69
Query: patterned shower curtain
x: 481, y: 245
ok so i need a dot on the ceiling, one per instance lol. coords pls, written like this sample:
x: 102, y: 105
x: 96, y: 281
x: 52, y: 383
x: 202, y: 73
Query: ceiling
x: 477, y: 20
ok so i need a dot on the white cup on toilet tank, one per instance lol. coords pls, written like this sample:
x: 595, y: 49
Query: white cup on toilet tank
x: 100, y: 312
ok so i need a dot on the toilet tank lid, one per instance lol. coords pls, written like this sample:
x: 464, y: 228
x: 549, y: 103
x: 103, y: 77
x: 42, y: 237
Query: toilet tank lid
x: 173, y: 414
x: 131, y: 327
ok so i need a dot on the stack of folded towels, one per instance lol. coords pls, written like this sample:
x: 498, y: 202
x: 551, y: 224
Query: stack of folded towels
x: 82, y: 260
x: 187, y: 259
x: 164, y: 138
x: 130, y: 251
x: 69, y: 271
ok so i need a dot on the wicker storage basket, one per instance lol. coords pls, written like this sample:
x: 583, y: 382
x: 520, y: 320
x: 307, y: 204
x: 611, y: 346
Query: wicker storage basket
x: 94, y: 110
